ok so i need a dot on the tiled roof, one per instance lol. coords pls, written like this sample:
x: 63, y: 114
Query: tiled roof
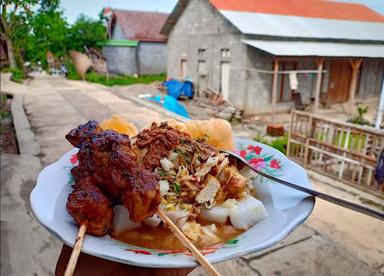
x: 140, y: 25
x: 304, y: 8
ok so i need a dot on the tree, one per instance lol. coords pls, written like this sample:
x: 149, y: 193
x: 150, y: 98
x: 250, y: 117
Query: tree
x: 17, y: 17
x: 13, y: 14
x: 86, y: 32
x: 50, y: 32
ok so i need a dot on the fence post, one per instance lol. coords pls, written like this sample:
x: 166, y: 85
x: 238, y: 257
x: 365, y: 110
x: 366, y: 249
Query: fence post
x: 346, y: 145
x: 289, y: 134
x: 308, y: 135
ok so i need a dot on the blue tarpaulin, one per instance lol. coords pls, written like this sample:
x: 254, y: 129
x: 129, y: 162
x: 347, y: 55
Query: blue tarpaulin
x: 177, y: 88
x: 170, y: 104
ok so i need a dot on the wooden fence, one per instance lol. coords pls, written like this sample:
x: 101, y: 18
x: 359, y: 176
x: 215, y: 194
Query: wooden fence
x: 340, y: 150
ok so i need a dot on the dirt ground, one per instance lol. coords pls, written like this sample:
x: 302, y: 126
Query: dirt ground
x: 251, y: 126
x: 8, y: 142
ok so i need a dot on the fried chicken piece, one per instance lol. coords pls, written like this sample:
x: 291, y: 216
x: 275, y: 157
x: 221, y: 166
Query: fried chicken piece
x: 87, y: 205
x: 82, y: 133
x: 140, y: 187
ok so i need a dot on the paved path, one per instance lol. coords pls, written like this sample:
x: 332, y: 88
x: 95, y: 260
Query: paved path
x: 332, y: 242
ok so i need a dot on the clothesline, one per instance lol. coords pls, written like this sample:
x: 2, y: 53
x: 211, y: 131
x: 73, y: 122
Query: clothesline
x: 279, y: 72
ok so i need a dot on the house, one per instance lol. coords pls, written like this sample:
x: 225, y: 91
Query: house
x: 136, y: 46
x: 257, y: 52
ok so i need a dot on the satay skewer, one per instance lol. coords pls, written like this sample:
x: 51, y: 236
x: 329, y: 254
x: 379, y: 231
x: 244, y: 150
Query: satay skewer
x: 76, y: 251
x: 187, y: 243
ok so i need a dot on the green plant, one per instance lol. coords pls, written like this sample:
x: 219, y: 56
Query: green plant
x: 17, y: 75
x: 359, y: 119
x: 279, y: 143
x: 4, y: 113
x: 72, y: 74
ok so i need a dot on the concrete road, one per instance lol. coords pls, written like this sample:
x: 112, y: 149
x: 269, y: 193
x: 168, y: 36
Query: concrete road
x: 333, y: 241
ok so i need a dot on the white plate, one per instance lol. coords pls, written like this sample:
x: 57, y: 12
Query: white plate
x: 286, y: 209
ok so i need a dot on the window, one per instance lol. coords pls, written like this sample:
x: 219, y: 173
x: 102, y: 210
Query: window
x: 201, y: 53
x: 225, y: 53
x: 202, y: 68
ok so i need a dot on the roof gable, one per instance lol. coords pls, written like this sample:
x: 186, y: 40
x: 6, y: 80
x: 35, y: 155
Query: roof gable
x: 140, y: 25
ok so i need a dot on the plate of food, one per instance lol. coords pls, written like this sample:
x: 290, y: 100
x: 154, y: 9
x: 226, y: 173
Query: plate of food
x: 115, y: 179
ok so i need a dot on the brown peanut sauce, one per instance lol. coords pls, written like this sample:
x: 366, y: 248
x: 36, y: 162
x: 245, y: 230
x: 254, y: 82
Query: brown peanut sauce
x: 162, y: 238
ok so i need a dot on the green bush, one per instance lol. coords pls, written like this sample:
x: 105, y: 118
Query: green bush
x: 278, y: 143
x: 17, y: 75
x: 72, y: 73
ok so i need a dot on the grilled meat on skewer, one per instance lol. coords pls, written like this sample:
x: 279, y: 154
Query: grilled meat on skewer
x: 87, y: 205
x: 106, y: 160
x: 82, y: 133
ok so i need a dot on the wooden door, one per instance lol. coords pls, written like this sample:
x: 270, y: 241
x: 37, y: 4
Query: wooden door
x: 339, y: 81
x: 183, y: 69
x: 224, y: 80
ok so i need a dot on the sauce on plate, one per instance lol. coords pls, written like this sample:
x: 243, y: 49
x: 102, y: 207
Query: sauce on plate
x: 163, y: 239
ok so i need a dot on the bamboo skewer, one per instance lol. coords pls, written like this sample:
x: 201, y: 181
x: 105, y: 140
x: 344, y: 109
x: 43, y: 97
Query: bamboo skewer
x: 187, y: 243
x: 76, y: 251
x: 175, y: 230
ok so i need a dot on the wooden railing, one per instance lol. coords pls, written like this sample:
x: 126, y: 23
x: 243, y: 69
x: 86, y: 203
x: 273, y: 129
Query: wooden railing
x: 341, y: 150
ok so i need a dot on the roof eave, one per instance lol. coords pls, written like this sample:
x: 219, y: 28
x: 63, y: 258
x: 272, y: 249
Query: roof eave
x: 174, y: 16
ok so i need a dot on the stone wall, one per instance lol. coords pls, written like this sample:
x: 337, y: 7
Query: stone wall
x: 146, y: 59
x: 121, y: 59
x: 152, y: 58
x: 202, y: 27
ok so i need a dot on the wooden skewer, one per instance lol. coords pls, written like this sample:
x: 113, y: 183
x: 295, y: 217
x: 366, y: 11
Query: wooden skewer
x: 76, y: 251
x: 187, y: 243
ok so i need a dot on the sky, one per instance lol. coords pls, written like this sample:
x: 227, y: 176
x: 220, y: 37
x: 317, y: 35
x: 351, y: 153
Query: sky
x: 72, y: 8
x: 92, y: 8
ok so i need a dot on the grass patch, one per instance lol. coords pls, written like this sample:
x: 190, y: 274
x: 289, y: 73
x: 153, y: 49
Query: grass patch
x: 114, y: 79
x: 17, y: 75
x: 279, y: 143
x: 123, y: 80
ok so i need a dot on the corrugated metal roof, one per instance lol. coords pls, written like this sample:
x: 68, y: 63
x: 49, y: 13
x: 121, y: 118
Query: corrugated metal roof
x: 302, y: 27
x: 310, y: 19
x: 140, y: 25
x: 303, y: 8
x: 309, y: 48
